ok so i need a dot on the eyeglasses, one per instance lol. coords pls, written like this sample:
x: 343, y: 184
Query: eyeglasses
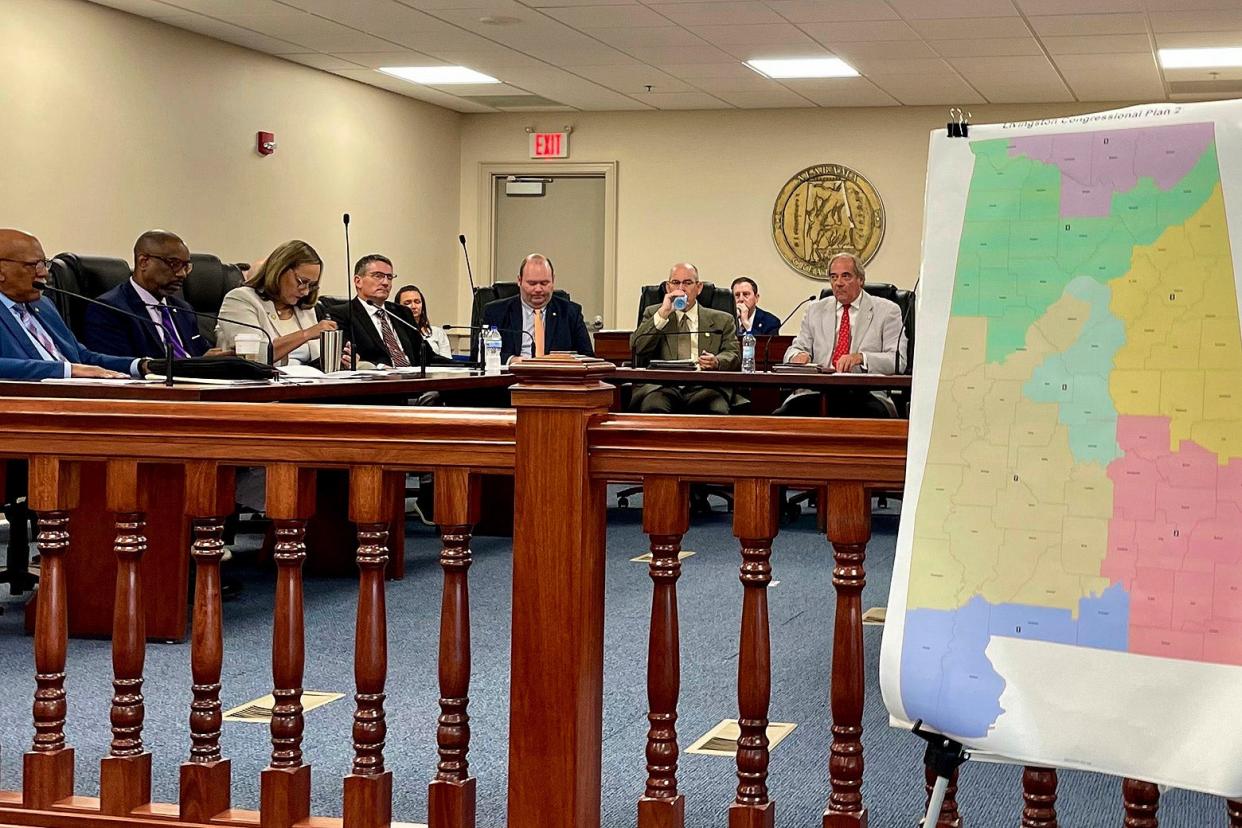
x: 674, y: 284
x: 46, y: 264
x: 305, y: 284
x: 383, y: 277
x: 175, y: 265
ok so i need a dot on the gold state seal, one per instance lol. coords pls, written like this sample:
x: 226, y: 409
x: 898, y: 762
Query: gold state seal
x: 825, y: 210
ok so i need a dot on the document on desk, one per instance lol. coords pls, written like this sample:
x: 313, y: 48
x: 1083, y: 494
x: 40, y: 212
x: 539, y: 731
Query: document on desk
x: 149, y: 380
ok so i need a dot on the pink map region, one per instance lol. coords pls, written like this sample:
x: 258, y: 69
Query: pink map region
x: 1096, y: 165
x: 1173, y: 544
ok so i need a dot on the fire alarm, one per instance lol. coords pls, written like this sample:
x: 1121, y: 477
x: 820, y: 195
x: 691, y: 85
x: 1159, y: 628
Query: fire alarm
x: 267, y: 143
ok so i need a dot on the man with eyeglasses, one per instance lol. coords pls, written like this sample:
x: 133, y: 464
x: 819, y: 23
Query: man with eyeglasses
x: 367, y: 319
x: 681, y: 329
x: 35, y: 343
x: 161, y: 266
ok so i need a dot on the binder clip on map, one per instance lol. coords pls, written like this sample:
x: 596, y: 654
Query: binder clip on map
x: 943, y: 756
x: 959, y: 123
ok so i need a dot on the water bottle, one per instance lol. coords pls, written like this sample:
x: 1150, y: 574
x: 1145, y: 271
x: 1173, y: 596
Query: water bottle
x: 491, y: 350
x: 679, y: 303
x: 748, y: 353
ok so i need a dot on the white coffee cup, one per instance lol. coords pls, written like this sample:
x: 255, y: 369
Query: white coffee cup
x: 246, y: 345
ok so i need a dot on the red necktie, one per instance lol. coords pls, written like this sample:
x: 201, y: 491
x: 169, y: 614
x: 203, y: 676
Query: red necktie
x: 843, y: 336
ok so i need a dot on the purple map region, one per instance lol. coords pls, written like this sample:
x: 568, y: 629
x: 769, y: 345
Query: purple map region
x: 1097, y: 165
x: 946, y: 678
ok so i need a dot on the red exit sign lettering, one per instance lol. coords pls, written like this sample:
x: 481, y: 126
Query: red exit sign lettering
x: 549, y: 145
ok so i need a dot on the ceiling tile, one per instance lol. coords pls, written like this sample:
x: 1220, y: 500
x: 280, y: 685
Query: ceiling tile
x: 647, y: 36
x: 883, y: 49
x: 831, y: 11
x: 773, y: 34
x: 412, y: 90
x: 1189, y: 40
x: 973, y: 66
x: 774, y: 99
x: 755, y: 83
x: 224, y: 9
x: 940, y: 9
x: 320, y: 61
x: 677, y: 55
x: 1203, y: 74
x: 903, y: 66
x: 694, y: 72
x: 707, y: 14
x: 1089, y: 24
x: 632, y: 80
x: 142, y: 8
x: 841, y: 92
x: 1190, y: 5
x: 966, y: 27
x: 685, y: 100
x: 552, y: 4
x: 1112, y: 77
x: 799, y: 49
x: 235, y: 34
x: 559, y: 85
x: 1196, y: 21
x: 989, y: 47
x: 608, y: 17
x: 599, y: 55
x: 1038, y: 7
x: 1098, y: 45
x: 318, y: 34
x: 926, y: 90
x: 832, y: 33
x: 374, y: 60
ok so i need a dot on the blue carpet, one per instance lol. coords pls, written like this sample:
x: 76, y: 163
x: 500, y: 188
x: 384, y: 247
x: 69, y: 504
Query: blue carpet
x: 801, y: 605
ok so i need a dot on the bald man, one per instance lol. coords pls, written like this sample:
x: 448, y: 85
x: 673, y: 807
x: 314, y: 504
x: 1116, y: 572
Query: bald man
x: 537, y: 321
x: 161, y: 267
x: 35, y: 343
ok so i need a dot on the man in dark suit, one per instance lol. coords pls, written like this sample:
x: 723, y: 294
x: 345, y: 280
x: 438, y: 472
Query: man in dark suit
x: 381, y: 332
x: 688, y: 333
x: 35, y: 343
x: 537, y: 322
x: 752, y: 319
x: 161, y: 266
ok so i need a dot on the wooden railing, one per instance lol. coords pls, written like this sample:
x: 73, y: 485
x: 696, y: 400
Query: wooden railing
x: 562, y: 447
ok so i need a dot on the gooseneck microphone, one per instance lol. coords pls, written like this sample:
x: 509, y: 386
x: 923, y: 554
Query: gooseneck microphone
x: 767, y: 345
x: 168, y: 348
x: 271, y: 350
x: 423, y: 347
x: 461, y: 237
x: 353, y: 350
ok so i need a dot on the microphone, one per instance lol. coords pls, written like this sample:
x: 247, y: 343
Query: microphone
x: 423, y: 347
x: 168, y: 348
x: 461, y: 237
x: 270, y: 348
x: 353, y: 351
x: 767, y: 345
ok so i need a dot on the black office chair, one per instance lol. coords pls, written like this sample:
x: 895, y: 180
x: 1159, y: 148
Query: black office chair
x: 710, y: 296
x: 205, y: 288
x: 485, y: 295
x: 87, y: 275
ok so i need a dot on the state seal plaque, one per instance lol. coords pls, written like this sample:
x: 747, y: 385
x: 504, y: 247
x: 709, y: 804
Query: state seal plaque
x: 825, y: 210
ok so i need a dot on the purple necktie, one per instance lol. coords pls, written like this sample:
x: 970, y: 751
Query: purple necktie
x: 170, y: 332
x: 27, y: 314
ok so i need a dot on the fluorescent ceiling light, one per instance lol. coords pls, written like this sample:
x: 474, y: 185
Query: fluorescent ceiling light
x: 1200, y: 58
x: 804, y: 68
x: 437, y: 75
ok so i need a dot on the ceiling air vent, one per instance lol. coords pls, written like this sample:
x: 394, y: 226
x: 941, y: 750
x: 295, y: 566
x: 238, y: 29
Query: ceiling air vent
x: 508, y: 102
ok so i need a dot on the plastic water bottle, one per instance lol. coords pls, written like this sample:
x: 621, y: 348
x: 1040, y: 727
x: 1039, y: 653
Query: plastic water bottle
x: 748, y: 353
x: 679, y: 303
x: 491, y: 350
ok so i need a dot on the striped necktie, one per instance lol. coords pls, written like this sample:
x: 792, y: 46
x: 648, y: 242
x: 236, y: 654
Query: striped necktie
x: 395, y: 352
x: 27, y: 316
x: 170, y: 332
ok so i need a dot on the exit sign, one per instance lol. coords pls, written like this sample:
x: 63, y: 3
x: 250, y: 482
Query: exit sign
x: 549, y: 145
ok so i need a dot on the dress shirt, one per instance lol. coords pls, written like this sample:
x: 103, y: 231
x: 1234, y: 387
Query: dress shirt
x: 528, y: 325
x: 11, y: 306
x: 691, y: 315
x: 148, y: 298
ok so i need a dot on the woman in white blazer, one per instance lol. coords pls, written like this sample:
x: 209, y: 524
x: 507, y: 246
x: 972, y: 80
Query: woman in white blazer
x: 279, y: 298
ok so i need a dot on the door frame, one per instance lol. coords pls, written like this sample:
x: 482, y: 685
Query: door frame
x: 489, y: 172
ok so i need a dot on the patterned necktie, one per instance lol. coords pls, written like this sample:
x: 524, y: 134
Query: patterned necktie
x: 843, y: 336
x: 683, y: 337
x: 539, y: 347
x: 26, y: 314
x: 395, y: 352
x: 170, y: 332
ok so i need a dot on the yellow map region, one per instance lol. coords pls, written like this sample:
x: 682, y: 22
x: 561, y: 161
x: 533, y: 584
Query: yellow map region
x: 1001, y: 462
x: 1183, y: 355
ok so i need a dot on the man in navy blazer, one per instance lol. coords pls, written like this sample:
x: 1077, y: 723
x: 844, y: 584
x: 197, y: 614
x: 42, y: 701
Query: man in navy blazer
x: 161, y: 266
x: 751, y: 318
x: 535, y: 312
x: 35, y: 343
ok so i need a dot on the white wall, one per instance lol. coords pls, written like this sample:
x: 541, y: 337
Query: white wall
x: 113, y: 124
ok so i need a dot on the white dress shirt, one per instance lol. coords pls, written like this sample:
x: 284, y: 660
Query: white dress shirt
x: 691, y: 315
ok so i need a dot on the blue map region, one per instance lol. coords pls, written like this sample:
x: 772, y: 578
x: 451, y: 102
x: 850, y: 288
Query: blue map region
x: 946, y: 677
x: 1077, y: 379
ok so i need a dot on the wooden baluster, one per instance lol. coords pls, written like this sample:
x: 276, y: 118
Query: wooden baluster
x: 755, y: 525
x: 949, y: 816
x: 1142, y: 801
x: 205, y: 778
x: 451, y: 795
x: 47, y: 772
x: 284, y: 795
x: 557, y: 663
x: 849, y: 529
x: 1234, y: 809
x: 1039, y: 796
x: 125, y: 774
x: 373, y: 496
x: 666, y: 516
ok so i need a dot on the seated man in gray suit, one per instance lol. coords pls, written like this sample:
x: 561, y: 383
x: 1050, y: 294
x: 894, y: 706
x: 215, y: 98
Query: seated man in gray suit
x: 850, y: 331
x: 693, y: 332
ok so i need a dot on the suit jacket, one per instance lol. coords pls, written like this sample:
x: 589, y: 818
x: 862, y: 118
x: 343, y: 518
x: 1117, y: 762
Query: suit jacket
x: 717, y: 335
x: 20, y: 360
x: 563, y: 327
x: 353, y: 319
x: 244, y: 304
x: 113, y: 333
x: 877, y: 333
x: 764, y: 323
